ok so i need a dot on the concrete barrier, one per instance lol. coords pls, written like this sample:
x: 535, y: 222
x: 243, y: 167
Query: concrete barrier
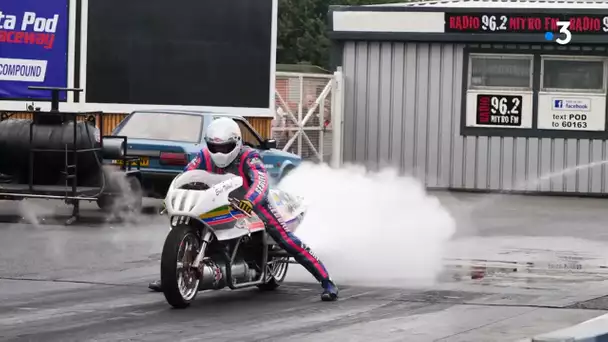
x: 593, y: 330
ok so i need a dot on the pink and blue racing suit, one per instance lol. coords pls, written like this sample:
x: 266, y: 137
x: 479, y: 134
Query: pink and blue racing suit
x: 249, y: 165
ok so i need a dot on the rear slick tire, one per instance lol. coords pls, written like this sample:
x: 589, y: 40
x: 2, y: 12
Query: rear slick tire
x: 273, y: 281
x: 176, y: 239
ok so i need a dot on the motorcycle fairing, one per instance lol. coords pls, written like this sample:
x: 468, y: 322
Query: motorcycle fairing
x: 221, y: 216
x: 225, y: 217
x: 225, y: 221
x: 229, y: 223
x: 291, y: 208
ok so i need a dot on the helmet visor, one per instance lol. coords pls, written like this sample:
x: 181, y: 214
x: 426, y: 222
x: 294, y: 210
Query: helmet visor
x: 224, y: 147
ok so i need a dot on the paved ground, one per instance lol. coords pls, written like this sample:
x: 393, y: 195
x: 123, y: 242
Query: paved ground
x: 542, y: 266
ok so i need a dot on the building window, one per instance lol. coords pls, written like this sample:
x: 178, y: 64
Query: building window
x: 493, y: 71
x: 573, y: 73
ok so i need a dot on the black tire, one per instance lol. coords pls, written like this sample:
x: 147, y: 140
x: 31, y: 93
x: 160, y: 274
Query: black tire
x: 106, y: 202
x: 287, y: 170
x: 137, y: 194
x: 168, y: 267
x: 272, y: 282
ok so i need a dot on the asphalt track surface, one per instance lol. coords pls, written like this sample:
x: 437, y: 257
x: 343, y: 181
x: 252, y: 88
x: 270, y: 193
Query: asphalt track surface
x: 88, y: 282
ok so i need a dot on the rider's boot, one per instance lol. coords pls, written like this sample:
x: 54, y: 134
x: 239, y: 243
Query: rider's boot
x: 156, y: 286
x: 330, y: 291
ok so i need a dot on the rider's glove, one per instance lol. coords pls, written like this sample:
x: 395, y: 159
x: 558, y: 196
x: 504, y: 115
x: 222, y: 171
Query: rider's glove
x: 246, y: 206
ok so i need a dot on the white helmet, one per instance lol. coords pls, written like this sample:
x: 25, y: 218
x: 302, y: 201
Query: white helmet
x: 224, y: 141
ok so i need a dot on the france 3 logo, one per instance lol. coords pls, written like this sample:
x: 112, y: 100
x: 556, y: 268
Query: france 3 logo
x: 564, y: 29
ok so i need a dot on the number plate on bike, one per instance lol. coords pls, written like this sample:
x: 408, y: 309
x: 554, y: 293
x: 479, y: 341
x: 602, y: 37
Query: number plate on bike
x: 499, y: 110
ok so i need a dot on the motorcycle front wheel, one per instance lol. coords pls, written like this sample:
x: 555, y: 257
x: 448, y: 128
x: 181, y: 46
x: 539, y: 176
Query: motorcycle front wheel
x: 180, y: 281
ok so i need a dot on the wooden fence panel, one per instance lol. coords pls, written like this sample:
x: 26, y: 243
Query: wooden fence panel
x: 111, y: 120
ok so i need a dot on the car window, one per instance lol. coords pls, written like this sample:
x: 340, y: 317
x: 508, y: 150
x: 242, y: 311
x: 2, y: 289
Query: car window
x: 248, y: 137
x: 163, y: 126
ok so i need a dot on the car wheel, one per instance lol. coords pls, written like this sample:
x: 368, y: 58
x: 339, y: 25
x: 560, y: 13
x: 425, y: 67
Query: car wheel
x: 286, y: 171
x: 136, y: 195
x: 129, y: 199
x: 105, y: 202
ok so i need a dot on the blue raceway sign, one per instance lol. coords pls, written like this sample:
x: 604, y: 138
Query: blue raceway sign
x: 33, y: 47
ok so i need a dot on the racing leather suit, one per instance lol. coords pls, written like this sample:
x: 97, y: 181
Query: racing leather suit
x: 249, y: 165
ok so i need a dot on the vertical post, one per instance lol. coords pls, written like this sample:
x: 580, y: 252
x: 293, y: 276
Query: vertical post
x: 300, y: 109
x: 54, y: 100
x: 337, y: 118
x: 321, y: 126
x: 101, y: 128
x: 75, y: 157
x: 100, y: 156
x: 30, y: 180
x: 124, y: 154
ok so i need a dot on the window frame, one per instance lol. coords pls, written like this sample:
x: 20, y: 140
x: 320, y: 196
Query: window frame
x: 253, y: 133
x: 519, y: 56
x: 544, y: 57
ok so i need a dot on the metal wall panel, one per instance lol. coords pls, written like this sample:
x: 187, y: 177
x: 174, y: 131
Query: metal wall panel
x: 403, y: 108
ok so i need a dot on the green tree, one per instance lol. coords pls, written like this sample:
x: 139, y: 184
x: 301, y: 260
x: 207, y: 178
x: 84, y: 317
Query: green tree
x: 302, y: 29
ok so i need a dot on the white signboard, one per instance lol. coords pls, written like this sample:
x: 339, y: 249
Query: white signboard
x: 22, y: 70
x: 571, y: 113
x: 502, y: 109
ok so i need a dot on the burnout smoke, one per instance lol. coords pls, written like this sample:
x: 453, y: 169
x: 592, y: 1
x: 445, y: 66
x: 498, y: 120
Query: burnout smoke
x: 371, y: 228
x: 33, y: 213
x: 126, y: 199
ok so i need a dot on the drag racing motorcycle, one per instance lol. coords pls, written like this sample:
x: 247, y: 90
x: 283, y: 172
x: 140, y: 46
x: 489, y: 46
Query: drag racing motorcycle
x: 212, y: 244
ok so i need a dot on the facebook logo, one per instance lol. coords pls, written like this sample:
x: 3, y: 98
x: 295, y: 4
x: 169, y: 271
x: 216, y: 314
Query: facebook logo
x: 571, y: 104
x: 558, y: 104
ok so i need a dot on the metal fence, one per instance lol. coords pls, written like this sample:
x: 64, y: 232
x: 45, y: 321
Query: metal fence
x: 307, y: 107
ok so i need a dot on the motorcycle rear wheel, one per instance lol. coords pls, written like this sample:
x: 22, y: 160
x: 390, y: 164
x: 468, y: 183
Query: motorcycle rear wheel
x: 278, y: 267
x: 180, y: 282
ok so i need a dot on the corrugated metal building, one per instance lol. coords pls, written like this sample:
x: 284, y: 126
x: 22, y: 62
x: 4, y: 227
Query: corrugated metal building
x: 407, y: 81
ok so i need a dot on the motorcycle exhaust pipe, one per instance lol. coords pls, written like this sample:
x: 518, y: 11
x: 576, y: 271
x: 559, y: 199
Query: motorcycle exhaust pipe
x: 214, y: 274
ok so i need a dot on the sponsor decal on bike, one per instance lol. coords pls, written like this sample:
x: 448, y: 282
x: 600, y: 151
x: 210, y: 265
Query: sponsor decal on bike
x: 283, y: 200
x: 218, y: 275
x: 217, y: 272
x: 222, y: 189
x: 240, y: 224
x: 276, y: 198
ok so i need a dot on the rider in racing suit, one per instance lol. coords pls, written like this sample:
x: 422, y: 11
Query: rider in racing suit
x: 225, y: 153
